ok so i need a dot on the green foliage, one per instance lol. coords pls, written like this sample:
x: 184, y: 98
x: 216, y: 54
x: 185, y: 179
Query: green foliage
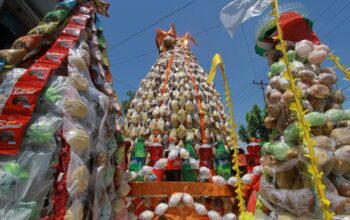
x: 255, y: 126
x: 126, y: 103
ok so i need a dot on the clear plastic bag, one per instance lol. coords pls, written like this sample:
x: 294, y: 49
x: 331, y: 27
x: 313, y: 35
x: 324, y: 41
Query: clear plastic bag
x: 77, y: 177
x: 76, y: 136
x: 7, y: 81
x: 75, y: 211
x: 74, y: 104
x: 51, y: 98
x: 41, y: 133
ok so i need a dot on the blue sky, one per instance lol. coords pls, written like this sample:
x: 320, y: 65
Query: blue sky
x: 129, y: 16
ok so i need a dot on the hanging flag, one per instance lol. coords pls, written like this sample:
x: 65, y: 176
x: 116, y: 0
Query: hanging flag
x: 238, y: 11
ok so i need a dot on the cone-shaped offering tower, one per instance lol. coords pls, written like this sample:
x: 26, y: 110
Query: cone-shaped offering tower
x: 59, y: 120
x: 292, y: 181
x: 176, y: 125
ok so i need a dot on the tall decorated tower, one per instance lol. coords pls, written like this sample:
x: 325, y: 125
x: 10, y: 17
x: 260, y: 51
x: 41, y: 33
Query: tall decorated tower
x: 59, y: 120
x: 178, y: 133
x: 306, y: 165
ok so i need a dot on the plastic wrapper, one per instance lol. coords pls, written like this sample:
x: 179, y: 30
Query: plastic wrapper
x: 74, y: 105
x: 8, y: 80
x: 28, y: 42
x: 146, y: 170
x: 51, y: 98
x: 194, y: 163
x: 123, y: 189
x: 229, y: 216
x: 56, y: 16
x: 76, y: 136
x: 188, y: 200
x: 11, y: 173
x: 343, y: 186
x: 343, y: 153
x: 42, y: 131
x: 307, y: 75
x: 341, y: 136
x: 161, y: 163
x: 299, y: 202
x: 279, y: 150
x: 316, y: 118
x: 324, y: 142
x: 327, y: 79
x: 78, y: 62
x: 175, y: 199
x: 173, y: 154
x: 161, y: 208
x: 277, y: 67
x: 45, y: 29
x: 339, y: 204
x: 317, y: 56
x: 232, y: 181
x: 77, y: 177
x: 304, y: 48
x: 146, y: 215
x: 19, y: 210
x: 79, y: 82
x: 218, y: 180
x: 291, y: 133
x: 200, y: 209
x: 247, y: 178
x: 66, y: 5
x: 214, y: 215
x: 318, y: 91
x: 75, y: 211
x: 335, y: 115
x: 12, y: 56
x: 184, y: 154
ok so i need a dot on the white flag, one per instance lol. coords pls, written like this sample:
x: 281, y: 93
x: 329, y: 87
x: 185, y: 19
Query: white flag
x: 239, y: 11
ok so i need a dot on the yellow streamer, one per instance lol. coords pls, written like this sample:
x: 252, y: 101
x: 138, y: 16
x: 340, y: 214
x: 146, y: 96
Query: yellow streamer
x: 303, y: 124
x: 343, y: 68
x: 217, y: 60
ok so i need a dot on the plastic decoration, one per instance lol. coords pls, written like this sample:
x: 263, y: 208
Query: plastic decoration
x: 304, y: 125
x: 343, y: 68
x: 217, y: 60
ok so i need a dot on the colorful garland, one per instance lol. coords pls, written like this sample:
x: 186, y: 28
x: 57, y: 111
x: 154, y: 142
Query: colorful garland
x: 217, y: 60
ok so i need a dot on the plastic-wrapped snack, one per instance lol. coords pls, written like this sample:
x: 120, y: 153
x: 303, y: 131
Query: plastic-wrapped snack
x: 42, y: 131
x: 299, y: 202
x: 78, y: 176
x: 50, y: 100
x: 339, y: 204
x: 45, y: 29
x: 343, y: 186
x: 175, y: 199
x: 341, y: 136
x: 7, y: 81
x: 28, y: 42
x: 76, y: 135
x: 19, y: 210
x: 146, y: 215
x: 74, y: 105
x: 161, y: 208
x: 75, y: 211
x: 200, y: 209
x: 11, y: 173
x: 56, y: 16
x: 214, y: 215
x: 66, y: 5
x: 12, y: 56
x: 79, y: 81
x: 188, y: 200
x: 78, y: 62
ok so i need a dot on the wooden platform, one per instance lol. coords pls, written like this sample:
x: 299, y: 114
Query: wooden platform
x: 196, y: 189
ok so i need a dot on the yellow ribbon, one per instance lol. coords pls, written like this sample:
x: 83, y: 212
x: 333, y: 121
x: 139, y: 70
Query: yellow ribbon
x: 343, y: 68
x: 217, y: 60
x: 296, y: 107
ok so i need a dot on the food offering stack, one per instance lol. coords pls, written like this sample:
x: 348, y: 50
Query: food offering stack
x: 178, y: 135
x: 287, y: 188
x: 60, y: 124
